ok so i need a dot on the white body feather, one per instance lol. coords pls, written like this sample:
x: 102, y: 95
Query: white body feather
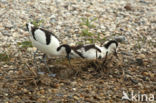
x: 50, y: 49
x: 90, y: 54
x: 40, y: 42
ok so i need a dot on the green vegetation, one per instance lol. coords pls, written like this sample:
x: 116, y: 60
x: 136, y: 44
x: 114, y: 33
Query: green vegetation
x: 87, y: 26
x: 37, y: 23
x: 4, y: 57
x: 25, y: 44
x: 141, y: 41
x: 88, y: 22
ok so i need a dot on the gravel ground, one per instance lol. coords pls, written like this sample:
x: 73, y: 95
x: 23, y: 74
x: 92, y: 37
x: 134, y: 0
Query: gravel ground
x: 131, y: 22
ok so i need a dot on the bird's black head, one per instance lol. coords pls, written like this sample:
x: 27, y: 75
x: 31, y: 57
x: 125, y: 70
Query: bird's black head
x: 29, y: 26
x: 66, y: 47
x: 108, y: 44
x: 112, y: 47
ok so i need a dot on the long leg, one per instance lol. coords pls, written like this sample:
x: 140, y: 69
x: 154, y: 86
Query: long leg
x: 116, y: 55
x: 105, y: 58
x: 68, y: 57
x: 104, y: 62
x: 35, y: 55
x: 35, y: 61
x: 69, y: 61
x: 45, y: 62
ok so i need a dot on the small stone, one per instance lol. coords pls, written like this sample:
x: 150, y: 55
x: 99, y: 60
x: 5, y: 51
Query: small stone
x: 154, y: 50
x: 84, y: 27
x: 25, y: 90
x: 141, y: 56
x: 29, y: 49
x: 134, y: 81
x: 53, y: 19
x: 139, y: 61
x: 15, y: 34
x: 38, y: 93
x: 99, y: 30
x: 42, y: 91
x: 58, y: 27
x: 151, y: 75
x: 139, y: 84
x: 145, y: 74
x: 120, y: 38
x: 75, y: 97
x: 11, y: 72
x: 54, y: 90
x: 74, y: 83
x: 5, y: 33
x: 145, y: 63
x: 128, y: 7
x: 59, y: 95
x: 74, y: 89
x: 42, y: 96
x: 143, y: 1
x: 6, y: 94
x: 3, y: 1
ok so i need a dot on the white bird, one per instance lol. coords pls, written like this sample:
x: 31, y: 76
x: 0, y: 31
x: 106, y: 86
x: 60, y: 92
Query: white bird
x: 93, y: 51
x: 45, y: 41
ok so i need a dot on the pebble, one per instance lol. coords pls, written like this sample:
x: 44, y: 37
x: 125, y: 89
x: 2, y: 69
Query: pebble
x: 121, y: 39
x: 3, y: 1
x: 15, y: 34
x: 29, y: 49
x: 141, y: 56
x: 140, y: 85
x: 75, y: 97
x: 74, y: 83
x: 6, y: 33
x: 42, y: 91
x: 74, y: 89
x: 25, y: 90
x: 139, y: 62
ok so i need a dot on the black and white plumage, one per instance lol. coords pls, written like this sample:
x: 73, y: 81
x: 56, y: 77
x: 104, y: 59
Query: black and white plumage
x: 66, y: 48
x: 45, y: 41
x: 90, y: 51
x: 111, y: 46
x: 93, y: 51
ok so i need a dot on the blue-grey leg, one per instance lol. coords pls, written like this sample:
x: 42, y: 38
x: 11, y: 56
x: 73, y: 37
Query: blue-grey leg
x: 45, y: 62
x: 35, y: 62
x: 116, y: 55
x: 105, y: 59
x: 68, y: 58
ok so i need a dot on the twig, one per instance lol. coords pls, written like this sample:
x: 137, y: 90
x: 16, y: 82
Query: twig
x: 30, y: 70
